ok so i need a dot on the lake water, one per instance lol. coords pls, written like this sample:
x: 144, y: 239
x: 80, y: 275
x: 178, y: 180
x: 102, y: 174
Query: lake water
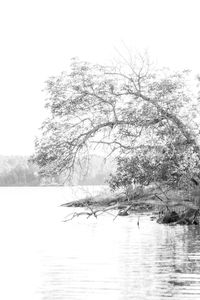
x: 42, y: 257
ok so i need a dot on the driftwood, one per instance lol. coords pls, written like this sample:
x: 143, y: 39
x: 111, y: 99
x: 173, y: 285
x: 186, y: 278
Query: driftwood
x: 122, y: 211
x: 92, y: 212
x: 102, y: 204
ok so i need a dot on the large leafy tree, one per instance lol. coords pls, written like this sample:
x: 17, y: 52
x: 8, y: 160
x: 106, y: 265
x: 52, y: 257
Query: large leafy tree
x: 144, y: 117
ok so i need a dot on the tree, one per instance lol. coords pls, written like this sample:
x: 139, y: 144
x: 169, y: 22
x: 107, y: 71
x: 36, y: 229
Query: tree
x: 145, y: 117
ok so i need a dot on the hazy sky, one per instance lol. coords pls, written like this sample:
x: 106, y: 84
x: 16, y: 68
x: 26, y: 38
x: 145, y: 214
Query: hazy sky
x: 38, y: 37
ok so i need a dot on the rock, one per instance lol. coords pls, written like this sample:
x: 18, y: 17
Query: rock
x: 187, y: 218
x: 169, y: 217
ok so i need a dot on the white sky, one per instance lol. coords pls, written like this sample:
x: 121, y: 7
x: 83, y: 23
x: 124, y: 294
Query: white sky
x: 38, y: 37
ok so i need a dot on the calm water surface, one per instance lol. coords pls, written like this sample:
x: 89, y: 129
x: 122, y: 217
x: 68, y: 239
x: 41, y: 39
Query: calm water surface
x: 42, y: 257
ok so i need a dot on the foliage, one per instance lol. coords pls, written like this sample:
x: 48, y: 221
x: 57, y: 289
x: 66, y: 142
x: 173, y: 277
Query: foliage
x: 146, y: 118
x: 177, y: 169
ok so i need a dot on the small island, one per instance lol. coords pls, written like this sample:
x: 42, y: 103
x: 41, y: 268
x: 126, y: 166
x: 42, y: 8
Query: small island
x: 144, y: 118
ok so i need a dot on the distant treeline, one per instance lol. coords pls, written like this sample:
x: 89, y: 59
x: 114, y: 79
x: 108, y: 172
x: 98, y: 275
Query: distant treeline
x: 18, y: 171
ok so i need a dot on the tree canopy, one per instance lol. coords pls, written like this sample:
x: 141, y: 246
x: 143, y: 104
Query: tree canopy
x: 146, y: 118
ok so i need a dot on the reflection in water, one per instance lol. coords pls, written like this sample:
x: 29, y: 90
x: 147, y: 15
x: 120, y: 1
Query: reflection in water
x: 118, y: 260
x: 44, y: 258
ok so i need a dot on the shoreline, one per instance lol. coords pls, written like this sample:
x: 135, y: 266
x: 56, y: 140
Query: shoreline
x: 174, y: 211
